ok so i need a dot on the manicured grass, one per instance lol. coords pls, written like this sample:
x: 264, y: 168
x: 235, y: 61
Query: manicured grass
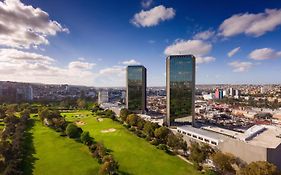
x: 56, y: 155
x: 135, y: 155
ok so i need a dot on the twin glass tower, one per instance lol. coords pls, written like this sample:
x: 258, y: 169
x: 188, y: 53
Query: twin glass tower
x: 180, y: 89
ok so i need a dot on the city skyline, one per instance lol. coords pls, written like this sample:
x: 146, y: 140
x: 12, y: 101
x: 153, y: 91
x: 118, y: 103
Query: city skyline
x: 84, y: 43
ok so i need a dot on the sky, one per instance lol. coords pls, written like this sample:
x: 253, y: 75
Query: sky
x: 91, y: 42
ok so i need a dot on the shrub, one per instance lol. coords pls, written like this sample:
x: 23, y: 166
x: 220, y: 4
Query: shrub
x: 86, y: 138
x: 163, y: 147
x: 73, y: 131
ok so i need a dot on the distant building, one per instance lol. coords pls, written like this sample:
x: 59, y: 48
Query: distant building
x: 180, y: 84
x: 217, y: 94
x: 231, y: 92
x: 237, y: 94
x: 136, y: 89
x: 103, y: 96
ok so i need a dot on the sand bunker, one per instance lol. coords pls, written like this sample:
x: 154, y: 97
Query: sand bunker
x: 99, y: 119
x: 80, y: 123
x: 108, y: 130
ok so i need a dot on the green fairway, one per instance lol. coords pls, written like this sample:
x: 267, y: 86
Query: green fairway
x: 135, y: 155
x: 56, y: 155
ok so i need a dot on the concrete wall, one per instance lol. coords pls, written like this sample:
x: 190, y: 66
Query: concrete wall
x: 244, y: 151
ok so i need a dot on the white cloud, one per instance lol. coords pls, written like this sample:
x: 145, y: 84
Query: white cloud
x: 233, y: 52
x: 131, y: 62
x: 251, y: 24
x: 204, y: 35
x: 80, y: 65
x: 146, y: 3
x: 195, y: 47
x: 23, y: 66
x: 111, y: 76
x: 14, y: 55
x: 153, y: 16
x: 207, y: 59
x: 239, y: 66
x: 198, y: 48
x: 264, y: 54
x: 23, y: 26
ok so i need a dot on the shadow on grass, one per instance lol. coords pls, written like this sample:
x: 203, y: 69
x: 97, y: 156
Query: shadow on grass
x: 29, y: 150
x: 123, y: 173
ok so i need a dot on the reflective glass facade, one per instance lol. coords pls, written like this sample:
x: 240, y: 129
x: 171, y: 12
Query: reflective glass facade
x: 180, y: 89
x: 136, y: 88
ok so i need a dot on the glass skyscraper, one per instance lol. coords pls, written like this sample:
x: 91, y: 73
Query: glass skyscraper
x: 180, y: 84
x: 136, y: 89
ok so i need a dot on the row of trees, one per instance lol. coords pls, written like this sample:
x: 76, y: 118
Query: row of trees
x: 166, y: 140
x: 54, y: 120
x: 12, y: 141
x: 159, y: 136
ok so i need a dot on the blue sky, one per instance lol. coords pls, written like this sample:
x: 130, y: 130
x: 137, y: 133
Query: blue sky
x: 90, y: 42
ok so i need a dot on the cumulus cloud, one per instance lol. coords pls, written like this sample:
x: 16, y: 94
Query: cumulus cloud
x: 251, y: 24
x: 198, y: 48
x: 264, y: 54
x: 14, y: 55
x: 16, y: 65
x: 146, y: 3
x: 80, y: 65
x: 239, y: 66
x: 207, y: 59
x: 204, y: 35
x: 233, y: 52
x: 131, y: 62
x: 153, y: 16
x: 23, y: 26
x: 111, y: 76
x: 195, y: 47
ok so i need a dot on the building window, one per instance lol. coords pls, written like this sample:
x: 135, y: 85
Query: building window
x: 206, y: 140
x: 214, y: 143
x: 200, y: 138
x: 188, y: 134
x: 194, y: 136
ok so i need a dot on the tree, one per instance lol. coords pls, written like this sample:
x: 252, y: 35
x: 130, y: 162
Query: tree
x: 161, y: 134
x: 259, y: 168
x: 132, y: 119
x: 124, y: 113
x: 81, y: 103
x: 73, y: 131
x: 2, y: 113
x: 140, y: 124
x: 44, y: 113
x: 196, y: 155
x: 86, y: 138
x: 149, y: 129
x: 223, y: 162
x: 176, y: 142
x: 109, y: 166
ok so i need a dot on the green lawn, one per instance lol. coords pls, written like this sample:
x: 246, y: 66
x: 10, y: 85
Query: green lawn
x: 135, y: 155
x: 56, y: 155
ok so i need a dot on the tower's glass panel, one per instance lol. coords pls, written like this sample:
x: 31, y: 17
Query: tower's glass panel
x: 135, y: 88
x: 181, y: 87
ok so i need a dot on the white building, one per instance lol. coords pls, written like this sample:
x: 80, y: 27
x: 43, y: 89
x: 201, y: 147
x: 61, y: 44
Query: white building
x: 103, y: 96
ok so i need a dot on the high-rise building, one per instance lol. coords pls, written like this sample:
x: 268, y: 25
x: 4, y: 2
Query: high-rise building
x: 237, y: 94
x: 180, y: 84
x: 231, y: 92
x: 103, y: 96
x: 136, y: 89
x: 217, y: 93
x: 220, y: 94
